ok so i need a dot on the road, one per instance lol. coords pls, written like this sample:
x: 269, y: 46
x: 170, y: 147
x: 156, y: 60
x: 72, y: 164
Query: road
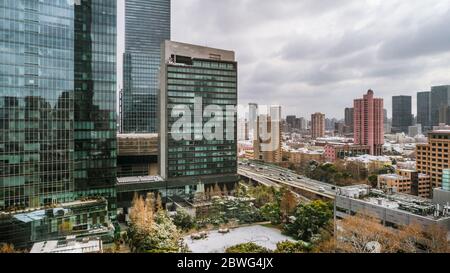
x: 282, y: 176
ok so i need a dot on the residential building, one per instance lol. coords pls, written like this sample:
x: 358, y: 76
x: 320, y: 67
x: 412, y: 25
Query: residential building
x: 434, y: 157
x: 369, y: 122
x: 401, y: 113
x: 147, y: 25
x: 407, y: 182
x: 198, y: 140
x: 267, y: 147
x: 334, y: 152
x: 317, y: 125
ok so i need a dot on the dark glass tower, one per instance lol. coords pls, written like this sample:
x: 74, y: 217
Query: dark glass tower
x: 57, y: 101
x: 423, y: 109
x: 401, y: 113
x: 95, y: 100
x: 192, y: 77
x: 147, y: 25
x: 440, y: 105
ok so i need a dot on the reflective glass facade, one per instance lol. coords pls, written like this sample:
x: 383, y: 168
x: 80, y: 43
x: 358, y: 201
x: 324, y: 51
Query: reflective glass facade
x: 147, y: 25
x: 439, y: 103
x: 216, y: 83
x: 199, y: 91
x: 95, y: 145
x: 423, y: 109
x: 57, y: 101
x: 36, y: 102
x: 401, y: 113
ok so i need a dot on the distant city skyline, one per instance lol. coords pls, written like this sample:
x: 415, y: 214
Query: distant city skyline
x: 301, y: 60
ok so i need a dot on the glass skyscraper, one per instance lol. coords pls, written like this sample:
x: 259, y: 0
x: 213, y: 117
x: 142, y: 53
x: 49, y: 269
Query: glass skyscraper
x: 193, y: 77
x: 440, y: 105
x: 147, y: 25
x: 57, y: 101
x: 401, y: 113
x: 423, y: 109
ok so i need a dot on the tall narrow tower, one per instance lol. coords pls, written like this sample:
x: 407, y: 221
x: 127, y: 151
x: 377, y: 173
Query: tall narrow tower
x: 369, y: 122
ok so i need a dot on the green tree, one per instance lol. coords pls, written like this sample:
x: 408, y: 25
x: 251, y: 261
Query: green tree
x: 293, y: 247
x: 152, y: 231
x: 271, y: 212
x: 309, y: 220
x: 373, y: 180
x: 247, y: 248
x: 183, y: 220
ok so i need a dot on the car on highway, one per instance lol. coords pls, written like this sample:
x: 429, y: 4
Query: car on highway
x: 321, y: 189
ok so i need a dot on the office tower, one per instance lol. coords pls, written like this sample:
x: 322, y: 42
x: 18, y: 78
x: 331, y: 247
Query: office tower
x: 95, y: 96
x: 147, y: 25
x: 242, y: 129
x: 401, y: 113
x: 193, y: 149
x: 439, y: 105
x: 349, y: 118
x: 434, y: 157
x: 423, y: 109
x: 317, y: 125
x: 291, y: 121
x: 303, y: 124
x: 57, y: 109
x: 252, y: 120
x: 369, y: 122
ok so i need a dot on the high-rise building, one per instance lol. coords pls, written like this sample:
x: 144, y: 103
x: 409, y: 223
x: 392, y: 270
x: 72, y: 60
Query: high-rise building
x: 198, y: 116
x: 252, y: 120
x: 369, y: 122
x: 349, y: 118
x: 147, y: 25
x: 57, y: 104
x: 95, y: 108
x: 401, y: 113
x: 423, y: 109
x: 267, y: 146
x: 290, y: 120
x: 433, y: 158
x: 317, y: 125
x: 439, y: 105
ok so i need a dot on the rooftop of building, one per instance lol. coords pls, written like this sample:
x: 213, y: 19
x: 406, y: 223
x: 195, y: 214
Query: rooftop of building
x: 70, y: 245
x: 369, y: 158
x: 30, y: 214
x: 396, y: 201
x: 137, y: 136
x: 139, y: 180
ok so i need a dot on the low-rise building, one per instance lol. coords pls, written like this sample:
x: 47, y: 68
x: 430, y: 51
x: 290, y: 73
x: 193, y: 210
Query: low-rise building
x: 79, y: 218
x: 407, y: 182
x: 334, y: 152
x: 393, y: 210
x: 69, y: 245
x: 304, y: 155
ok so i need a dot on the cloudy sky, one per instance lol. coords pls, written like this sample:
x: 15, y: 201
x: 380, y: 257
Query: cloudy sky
x: 318, y: 55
